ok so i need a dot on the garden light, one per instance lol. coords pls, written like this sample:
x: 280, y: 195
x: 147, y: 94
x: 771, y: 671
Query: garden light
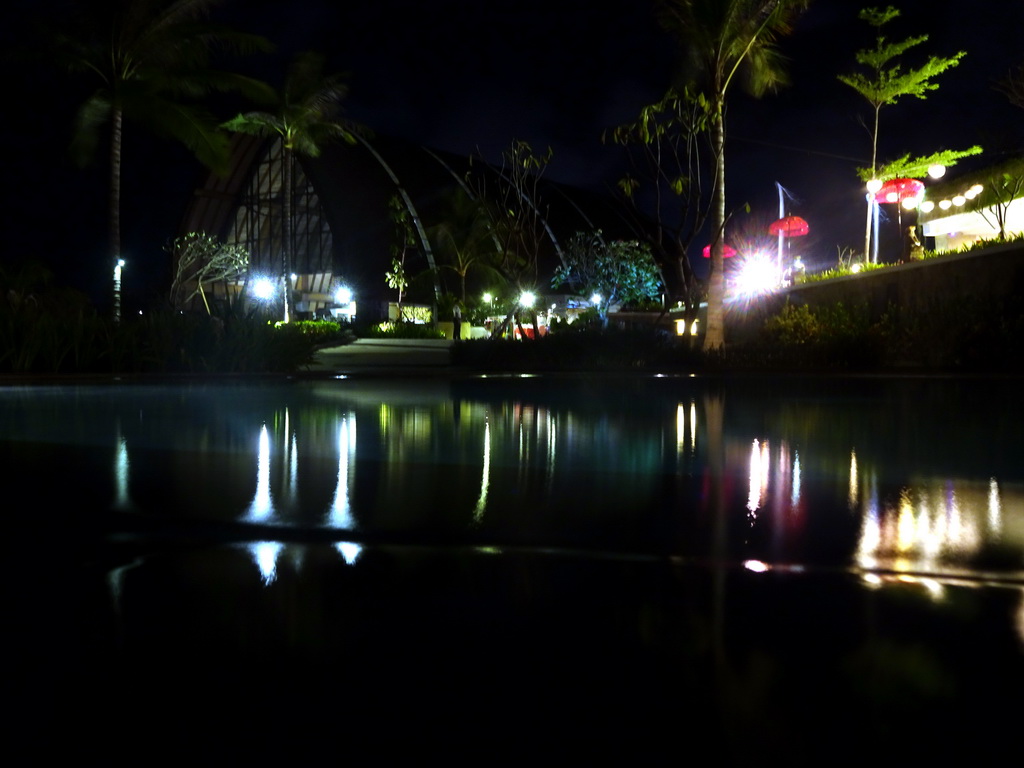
x: 263, y: 289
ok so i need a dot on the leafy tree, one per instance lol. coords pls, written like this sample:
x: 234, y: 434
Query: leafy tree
x: 1001, y: 189
x: 722, y: 42
x: 664, y: 147
x: 405, y: 238
x: 619, y: 271
x: 305, y: 114
x: 465, y: 240
x: 883, y: 81
x: 151, y: 61
x: 518, y: 218
x: 201, y: 258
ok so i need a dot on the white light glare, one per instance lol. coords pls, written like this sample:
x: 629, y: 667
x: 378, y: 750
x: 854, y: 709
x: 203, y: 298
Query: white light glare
x: 758, y: 274
x: 527, y: 298
x: 263, y: 288
x: 595, y: 298
x: 343, y: 295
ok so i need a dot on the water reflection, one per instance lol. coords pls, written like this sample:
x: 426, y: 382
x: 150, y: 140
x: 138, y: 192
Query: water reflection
x: 675, y: 466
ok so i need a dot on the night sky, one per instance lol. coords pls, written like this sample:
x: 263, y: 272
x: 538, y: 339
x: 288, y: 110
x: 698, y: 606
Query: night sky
x: 467, y: 77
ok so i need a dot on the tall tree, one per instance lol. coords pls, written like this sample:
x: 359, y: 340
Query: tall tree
x: 665, y: 145
x: 305, y: 114
x: 465, y: 241
x: 722, y: 42
x: 518, y: 218
x: 152, y: 62
x: 883, y: 81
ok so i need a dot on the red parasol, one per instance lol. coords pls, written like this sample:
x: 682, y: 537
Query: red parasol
x: 898, y: 190
x: 727, y: 251
x: 789, y: 226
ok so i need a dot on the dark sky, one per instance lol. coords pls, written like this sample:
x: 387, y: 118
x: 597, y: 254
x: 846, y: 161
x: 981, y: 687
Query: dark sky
x: 467, y: 76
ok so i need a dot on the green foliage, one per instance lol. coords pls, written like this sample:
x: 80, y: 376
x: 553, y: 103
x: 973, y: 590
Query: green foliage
x: 835, y: 336
x: 404, y: 331
x: 201, y: 258
x: 621, y: 272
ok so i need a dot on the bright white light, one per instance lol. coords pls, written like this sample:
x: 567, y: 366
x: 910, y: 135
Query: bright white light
x: 527, y: 298
x: 910, y: 203
x: 976, y: 189
x: 937, y: 171
x: 263, y: 288
x: 343, y: 295
x: 892, y: 197
x: 874, y: 185
x: 959, y: 200
x: 855, y: 268
x: 758, y: 274
x: 945, y: 204
x: 757, y: 566
x: 488, y: 298
x: 595, y: 298
x: 927, y: 206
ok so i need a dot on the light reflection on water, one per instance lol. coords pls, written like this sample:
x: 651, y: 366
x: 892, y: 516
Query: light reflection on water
x: 805, y: 479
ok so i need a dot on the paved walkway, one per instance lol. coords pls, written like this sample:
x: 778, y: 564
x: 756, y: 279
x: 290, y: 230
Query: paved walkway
x: 373, y: 355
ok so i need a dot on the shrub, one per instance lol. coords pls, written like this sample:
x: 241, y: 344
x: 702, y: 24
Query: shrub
x: 392, y: 330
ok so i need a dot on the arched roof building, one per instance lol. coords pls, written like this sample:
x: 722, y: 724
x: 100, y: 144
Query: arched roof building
x: 343, y: 228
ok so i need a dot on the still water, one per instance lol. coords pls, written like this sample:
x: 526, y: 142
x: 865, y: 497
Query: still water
x: 808, y: 569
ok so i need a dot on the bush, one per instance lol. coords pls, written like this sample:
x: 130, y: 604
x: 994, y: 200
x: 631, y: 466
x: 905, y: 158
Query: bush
x: 404, y: 331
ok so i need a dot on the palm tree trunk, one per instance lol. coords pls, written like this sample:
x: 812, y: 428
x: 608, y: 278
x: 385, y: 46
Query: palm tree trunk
x: 714, y: 337
x: 289, y: 227
x: 114, y: 211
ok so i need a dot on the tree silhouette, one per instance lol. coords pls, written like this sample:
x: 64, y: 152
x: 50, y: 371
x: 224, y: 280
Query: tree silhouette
x: 305, y: 114
x: 151, y: 62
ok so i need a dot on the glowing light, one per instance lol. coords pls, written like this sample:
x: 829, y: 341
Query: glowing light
x: 595, y: 298
x: 263, y: 288
x: 891, y: 197
x: 927, y: 206
x: 343, y: 295
x: 959, y: 200
x: 488, y: 298
x: 756, y: 566
x: 976, y: 189
x: 262, y: 506
x: 349, y: 551
x: 758, y: 274
x: 910, y: 203
x: 937, y: 171
x: 527, y: 298
x: 855, y: 268
x: 874, y: 185
x: 265, y: 554
x: 945, y: 204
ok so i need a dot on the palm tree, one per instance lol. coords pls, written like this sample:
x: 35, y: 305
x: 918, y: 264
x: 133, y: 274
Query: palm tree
x: 152, y: 61
x: 721, y: 40
x: 305, y: 116
x: 466, y: 240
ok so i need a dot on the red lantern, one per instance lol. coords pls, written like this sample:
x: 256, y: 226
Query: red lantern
x: 898, y: 190
x: 727, y: 251
x: 789, y: 226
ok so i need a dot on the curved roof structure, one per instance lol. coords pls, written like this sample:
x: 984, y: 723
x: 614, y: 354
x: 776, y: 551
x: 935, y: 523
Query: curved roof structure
x: 343, y: 228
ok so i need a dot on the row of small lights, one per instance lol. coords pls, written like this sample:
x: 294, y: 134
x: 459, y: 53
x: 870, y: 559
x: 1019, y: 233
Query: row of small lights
x: 935, y: 172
